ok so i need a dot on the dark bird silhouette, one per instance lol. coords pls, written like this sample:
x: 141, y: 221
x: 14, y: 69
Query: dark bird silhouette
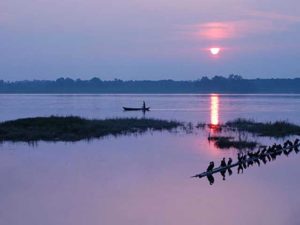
x: 211, y: 166
x: 223, y: 163
x: 229, y: 162
x: 240, y: 157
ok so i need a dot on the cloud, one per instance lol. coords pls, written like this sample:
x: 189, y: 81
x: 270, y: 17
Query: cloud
x: 255, y: 23
x: 274, y: 16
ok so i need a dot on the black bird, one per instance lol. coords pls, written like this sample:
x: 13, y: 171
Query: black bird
x: 211, y: 166
x: 229, y: 161
x: 250, y: 154
x: 240, y: 157
x: 223, y: 163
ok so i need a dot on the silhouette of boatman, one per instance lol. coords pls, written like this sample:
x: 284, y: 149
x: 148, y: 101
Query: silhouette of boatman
x: 144, y: 105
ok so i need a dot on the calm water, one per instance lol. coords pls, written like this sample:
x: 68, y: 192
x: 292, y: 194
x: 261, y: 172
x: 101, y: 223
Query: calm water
x: 144, y: 179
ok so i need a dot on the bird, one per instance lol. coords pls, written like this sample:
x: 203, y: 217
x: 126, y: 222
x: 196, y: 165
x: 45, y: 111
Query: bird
x: 229, y: 161
x: 240, y: 157
x: 211, y: 166
x: 223, y: 163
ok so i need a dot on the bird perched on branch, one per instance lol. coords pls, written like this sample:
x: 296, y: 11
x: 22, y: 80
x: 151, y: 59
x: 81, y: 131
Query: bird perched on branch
x: 211, y: 166
x: 229, y: 161
x: 223, y: 163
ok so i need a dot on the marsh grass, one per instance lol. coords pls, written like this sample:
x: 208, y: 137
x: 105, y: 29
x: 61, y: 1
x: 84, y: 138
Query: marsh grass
x: 226, y: 142
x: 270, y: 129
x: 73, y: 128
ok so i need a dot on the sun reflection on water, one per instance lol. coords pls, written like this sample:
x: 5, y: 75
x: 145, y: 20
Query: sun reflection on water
x: 214, y: 109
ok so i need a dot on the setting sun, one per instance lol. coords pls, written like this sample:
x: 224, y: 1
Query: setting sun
x: 214, y: 51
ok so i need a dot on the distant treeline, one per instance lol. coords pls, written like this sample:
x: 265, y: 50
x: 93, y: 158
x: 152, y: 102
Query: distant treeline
x: 217, y: 84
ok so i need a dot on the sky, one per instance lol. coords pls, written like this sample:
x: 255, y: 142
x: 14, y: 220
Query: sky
x: 143, y: 39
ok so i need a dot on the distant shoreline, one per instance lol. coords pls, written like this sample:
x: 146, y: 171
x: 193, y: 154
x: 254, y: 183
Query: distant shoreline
x: 234, y: 84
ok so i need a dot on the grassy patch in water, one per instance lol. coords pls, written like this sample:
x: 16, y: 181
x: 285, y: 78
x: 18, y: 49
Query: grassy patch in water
x: 72, y: 128
x: 271, y: 129
x: 225, y: 142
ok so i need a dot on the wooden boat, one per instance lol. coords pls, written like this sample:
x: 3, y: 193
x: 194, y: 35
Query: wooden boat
x: 136, y: 109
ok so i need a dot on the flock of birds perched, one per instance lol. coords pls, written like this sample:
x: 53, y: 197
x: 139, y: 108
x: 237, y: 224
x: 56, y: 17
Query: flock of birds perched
x: 263, y: 154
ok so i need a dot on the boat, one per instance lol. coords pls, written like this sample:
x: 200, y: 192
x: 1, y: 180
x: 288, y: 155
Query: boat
x: 136, y: 109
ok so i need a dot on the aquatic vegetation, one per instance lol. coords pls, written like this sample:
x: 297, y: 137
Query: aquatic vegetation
x: 225, y: 142
x: 73, y: 128
x: 271, y: 129
x: 200, y: 125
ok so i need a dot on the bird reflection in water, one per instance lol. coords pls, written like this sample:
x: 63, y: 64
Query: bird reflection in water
x: 223, y: 173
x: 210, y: 179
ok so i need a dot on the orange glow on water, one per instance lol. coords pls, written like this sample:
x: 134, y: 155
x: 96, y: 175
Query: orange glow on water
x: 214, y: 110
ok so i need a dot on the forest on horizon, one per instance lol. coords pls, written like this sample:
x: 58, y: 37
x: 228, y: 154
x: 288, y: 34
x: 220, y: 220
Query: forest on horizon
x: 217, y: 84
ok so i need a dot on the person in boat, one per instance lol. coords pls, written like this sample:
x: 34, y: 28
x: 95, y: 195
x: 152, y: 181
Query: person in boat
x: 144, y: 105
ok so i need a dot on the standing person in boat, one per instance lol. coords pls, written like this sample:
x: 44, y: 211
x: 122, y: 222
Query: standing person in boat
x: 144, y: 105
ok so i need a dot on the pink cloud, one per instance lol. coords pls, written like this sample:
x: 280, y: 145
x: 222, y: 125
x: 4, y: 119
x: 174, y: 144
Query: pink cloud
x: 256, y: 23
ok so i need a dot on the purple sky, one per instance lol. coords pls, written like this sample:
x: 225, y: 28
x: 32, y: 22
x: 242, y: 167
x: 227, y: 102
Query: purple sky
x: 143, y: 39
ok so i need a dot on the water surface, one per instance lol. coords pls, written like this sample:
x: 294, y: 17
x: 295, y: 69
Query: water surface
x: 144, y: 179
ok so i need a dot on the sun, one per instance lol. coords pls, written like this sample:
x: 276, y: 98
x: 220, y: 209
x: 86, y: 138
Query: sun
x: 214, y: 50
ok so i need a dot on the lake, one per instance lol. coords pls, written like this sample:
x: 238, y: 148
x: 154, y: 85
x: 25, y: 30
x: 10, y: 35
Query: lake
x: 145, y: 179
